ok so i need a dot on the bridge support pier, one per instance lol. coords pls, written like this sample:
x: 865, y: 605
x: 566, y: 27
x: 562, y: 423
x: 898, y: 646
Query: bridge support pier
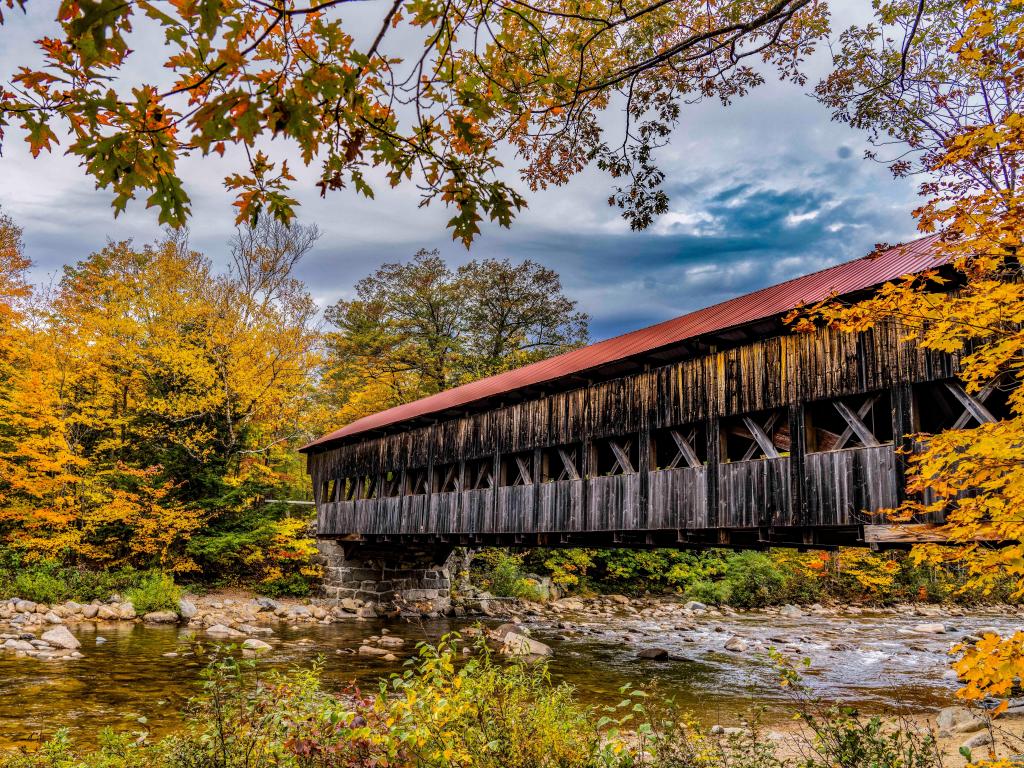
x: 411, y: 578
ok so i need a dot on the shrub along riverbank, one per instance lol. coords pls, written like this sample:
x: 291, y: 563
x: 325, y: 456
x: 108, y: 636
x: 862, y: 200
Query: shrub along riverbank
x: 714, y: 577
x: 443, y: 712
x: 740, y: 579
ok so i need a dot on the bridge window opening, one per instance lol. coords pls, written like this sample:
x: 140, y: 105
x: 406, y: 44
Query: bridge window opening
x: 563, y: 462
x: 390, y: 485
x: 851, y: 422
x: 617, y: 455
x: 679, y: 447
x: 447, y: 479
x: 947, y: 405
x: 416, y: 482
x: 340, y: 489
x: 366, y: 487
x: 479, y: 474
x: 517, y: 468
x: 763, y: 435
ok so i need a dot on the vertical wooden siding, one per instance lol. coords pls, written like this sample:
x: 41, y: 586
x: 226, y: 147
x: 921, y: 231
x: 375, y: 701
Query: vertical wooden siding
x: 772, y: 373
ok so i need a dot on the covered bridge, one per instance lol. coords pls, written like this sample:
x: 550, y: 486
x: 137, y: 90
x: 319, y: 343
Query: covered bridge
x: 720, y: 427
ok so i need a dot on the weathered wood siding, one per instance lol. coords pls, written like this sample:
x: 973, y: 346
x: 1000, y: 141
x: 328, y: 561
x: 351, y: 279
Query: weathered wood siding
x: 844, y: 487
x: 816, y: 489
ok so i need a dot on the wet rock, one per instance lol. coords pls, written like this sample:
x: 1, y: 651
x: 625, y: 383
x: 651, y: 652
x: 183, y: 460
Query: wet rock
x: 18, y: 645
x: 187, y: 608
x: 655, y: 654
x: 100, y: 640
x: 61, y: 637
x: 790, y: 612
x: 90, y: 611
x: 390, y: 657
x: 300, y: 610
x: 220, y: 630
x: 367, y: 612
x: 371, y: 650
x: 254, y: 644
x: 935, y: 628
x: 391, y: 642
x: 351, y: 605
x: 53, y: 618
x: 736, y: 644
x: 516, y: 644
x: 694, y: 605
x: 161, y: 617
x: 619, y: 599
x: 249, y: 629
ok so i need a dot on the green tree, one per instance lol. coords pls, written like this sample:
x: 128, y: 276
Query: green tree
x: 419, y: 327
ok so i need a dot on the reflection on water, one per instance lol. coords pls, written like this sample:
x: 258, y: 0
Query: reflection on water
x: 126, y: 682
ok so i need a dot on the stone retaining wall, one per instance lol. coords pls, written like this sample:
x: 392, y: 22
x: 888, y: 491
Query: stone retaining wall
x: 412, y: 579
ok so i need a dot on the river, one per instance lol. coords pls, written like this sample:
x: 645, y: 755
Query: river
x: 873, y: 660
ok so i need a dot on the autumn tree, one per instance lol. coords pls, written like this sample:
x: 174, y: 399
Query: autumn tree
x: 419, y: 327
x: 430, y: 96
x: 941, y: 88
x: 153, y: 400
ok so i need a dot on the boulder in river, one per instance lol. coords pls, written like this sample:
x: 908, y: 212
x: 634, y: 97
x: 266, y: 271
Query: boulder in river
x: 61, y: 637
x: 694, y: 605
x: 220, y: 630
x: 161, y: 617
x: 515, y: 643
x: 736, y: 644
x: 371, y: 650
x: 790, y: 612
x: 256, y: 645
x: 935, y: 628
x: 53, y: 618
x: 656, y: 654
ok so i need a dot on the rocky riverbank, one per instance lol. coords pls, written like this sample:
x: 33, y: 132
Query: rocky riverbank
x: 111, y: 666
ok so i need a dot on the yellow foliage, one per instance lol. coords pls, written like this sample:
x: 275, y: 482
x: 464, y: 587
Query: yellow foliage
x: 974, y: 474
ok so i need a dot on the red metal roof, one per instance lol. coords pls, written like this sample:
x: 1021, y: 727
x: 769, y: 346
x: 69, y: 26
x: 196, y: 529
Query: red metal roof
x: 841, y: 279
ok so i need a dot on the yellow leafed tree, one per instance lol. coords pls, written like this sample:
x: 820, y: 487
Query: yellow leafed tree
x: 954, y: 95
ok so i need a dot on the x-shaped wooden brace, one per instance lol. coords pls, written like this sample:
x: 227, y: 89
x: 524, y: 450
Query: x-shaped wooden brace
x: 523, y: 474
x: 569, y: 471
x: 390, y: 487
x: 450, y: 480
x: 418, y: 484
x: 621, y: 453
x: 855, y: 423
x: 759, y: 434
x: 684, y: 449
x: 973, y: 406
x: 484, y: 477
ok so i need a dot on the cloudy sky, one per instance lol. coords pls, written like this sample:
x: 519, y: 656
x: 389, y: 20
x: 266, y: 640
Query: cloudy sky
x: 762, y: 191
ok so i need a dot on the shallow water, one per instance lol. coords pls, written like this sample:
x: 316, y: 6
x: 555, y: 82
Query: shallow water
x: 868, y: 660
